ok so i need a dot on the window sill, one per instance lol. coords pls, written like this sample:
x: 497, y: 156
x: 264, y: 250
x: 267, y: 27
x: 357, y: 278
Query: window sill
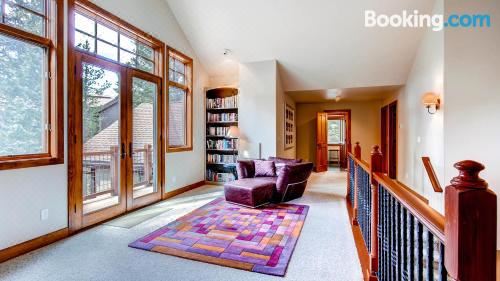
x: 30, y: 163
x: 179, y: 149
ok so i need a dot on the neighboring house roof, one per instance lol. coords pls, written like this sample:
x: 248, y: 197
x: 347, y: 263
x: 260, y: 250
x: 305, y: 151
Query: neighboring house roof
x: 142, y: 131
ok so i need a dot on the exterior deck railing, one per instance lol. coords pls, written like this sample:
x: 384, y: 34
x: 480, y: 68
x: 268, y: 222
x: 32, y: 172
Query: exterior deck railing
x: 406, y: 239
x: 101, y: 170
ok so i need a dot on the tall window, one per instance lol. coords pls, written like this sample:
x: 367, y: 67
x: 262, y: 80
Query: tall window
x: 31, y: 120
x: 179, y: 102
x: 336, y: 131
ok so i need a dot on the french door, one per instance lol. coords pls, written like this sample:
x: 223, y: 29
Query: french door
x: 117, y: 146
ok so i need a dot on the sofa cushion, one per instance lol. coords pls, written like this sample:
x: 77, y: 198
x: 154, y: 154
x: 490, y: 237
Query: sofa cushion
x: 281, y: 162
x: 264, y: 168
x: 245, y: 169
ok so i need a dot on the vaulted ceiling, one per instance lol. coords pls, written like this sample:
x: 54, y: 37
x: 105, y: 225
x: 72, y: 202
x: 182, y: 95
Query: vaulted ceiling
x: 319, y: 44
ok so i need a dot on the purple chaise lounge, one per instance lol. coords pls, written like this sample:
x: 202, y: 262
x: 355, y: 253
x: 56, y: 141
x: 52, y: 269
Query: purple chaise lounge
x: 264, y: 181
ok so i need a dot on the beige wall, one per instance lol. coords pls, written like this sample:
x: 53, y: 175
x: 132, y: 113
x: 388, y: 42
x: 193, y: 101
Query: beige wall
x: 282, y: 99
x: 365, y: 120
x: 472, y: 85
x: 420, y: 133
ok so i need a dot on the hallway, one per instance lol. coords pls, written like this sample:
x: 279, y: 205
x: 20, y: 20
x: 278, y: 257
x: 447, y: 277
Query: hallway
x: 325, y: 249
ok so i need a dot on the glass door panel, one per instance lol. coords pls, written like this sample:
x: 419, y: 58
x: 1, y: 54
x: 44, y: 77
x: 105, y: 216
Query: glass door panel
x: 144, y: 163
x: 144, y: 137
x: 101, y: 136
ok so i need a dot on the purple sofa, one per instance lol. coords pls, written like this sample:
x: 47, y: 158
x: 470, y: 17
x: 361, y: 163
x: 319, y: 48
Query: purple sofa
x: 287, y: 183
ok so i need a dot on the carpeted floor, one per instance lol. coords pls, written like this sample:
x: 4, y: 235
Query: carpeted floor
x: 325, y: 250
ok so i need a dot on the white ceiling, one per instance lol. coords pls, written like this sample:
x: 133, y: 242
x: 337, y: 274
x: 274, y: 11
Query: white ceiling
x: 319, y: 44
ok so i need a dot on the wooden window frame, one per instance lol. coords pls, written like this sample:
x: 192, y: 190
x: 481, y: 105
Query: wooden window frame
x: 188, y: 87
x: 53, y: 41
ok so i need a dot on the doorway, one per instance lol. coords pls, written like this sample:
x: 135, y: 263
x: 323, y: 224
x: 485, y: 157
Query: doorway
x: 389, y: 140
x: 116, y: 166
x: 333, y: 139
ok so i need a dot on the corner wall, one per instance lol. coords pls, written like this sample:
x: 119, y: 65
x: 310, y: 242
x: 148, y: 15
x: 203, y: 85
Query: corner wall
x: 472, y: 84
x: 282, y: 99
x: 257, y: 108
x: 25, y: 192
x: 420, y: 133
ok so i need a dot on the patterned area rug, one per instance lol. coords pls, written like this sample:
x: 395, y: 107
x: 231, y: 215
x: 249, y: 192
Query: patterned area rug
x: 259, y: 240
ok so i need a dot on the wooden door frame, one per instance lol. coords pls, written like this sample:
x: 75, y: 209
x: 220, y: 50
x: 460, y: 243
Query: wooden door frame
x: 347, y: 115
x: 75, y: 145
x: 321, y: 148
x: 132, y: 203
x: 389, y: 138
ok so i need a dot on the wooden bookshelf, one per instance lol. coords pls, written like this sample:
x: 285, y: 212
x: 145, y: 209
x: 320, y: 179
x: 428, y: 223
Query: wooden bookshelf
x: 221, y: 151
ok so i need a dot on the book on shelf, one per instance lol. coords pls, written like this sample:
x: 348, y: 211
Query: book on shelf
x: 221, y: 159
x: 218, y: 131
x: 222, y: 144
x: 222, y: 117
x: 228, y: 102
x: 219, y: 177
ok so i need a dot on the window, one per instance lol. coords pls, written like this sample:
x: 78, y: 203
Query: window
x: 31, y: 108
x: 180, y: 69
x: 336, y: 131
x: 96, y: 35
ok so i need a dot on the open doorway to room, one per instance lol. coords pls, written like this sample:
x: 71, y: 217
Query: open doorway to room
x: 333, y: 139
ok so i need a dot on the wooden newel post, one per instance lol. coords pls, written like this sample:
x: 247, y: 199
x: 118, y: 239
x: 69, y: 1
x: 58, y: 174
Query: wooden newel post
x: 357, y: 150
x: 377, y: 166
x: 470, y: 229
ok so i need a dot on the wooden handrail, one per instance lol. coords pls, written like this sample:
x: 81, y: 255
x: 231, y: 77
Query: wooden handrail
x: 365, y: 165
x: 409, y: 189
x: 432, y: 175
x: 431, y: 218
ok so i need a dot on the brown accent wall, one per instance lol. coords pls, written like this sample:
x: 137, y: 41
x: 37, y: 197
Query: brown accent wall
x: 365, y: 119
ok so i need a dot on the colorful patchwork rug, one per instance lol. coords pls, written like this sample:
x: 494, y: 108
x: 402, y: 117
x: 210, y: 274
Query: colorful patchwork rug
x: 259, y: 240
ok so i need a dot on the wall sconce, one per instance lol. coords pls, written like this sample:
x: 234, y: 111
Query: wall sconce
x: 431, y: 102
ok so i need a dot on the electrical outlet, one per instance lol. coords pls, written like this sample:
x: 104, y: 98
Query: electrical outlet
x: 44, y: 214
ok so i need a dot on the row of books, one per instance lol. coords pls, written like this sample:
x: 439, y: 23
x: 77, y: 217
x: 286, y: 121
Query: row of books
x: 218, y: 117
x: 219, y: 177
x: 222, y: 144
x: 221, y: 158
x: 218, y: 131
x: 229, y: 102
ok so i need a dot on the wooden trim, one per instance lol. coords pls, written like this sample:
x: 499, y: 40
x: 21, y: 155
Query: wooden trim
x: 184, y: 189
x: 189, y: 100
x: 54, y: 42
x: 432, y: 175
x: 431, y: 218
x: 33, y: 244
x: 120, y: 23
x: 363, y: 255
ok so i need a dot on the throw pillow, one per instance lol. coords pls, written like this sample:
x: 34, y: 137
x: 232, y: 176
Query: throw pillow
x: 264, y: 168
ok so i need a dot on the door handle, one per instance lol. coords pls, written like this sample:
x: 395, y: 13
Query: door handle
x: 130, y: 149
x: 123, y: 152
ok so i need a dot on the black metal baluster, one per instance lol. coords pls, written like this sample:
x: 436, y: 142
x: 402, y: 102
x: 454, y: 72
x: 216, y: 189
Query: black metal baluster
x: 404, y: 252
x: 411, y: 248
x: 430, y: 256
x: 443, y: 274
x: 393, y: 239
x: 398, y: 241
x: 379, y: 233
x: 420, y: 250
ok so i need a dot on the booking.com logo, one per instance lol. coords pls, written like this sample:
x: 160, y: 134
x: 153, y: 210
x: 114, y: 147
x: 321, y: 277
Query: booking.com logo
x: 436, y: 22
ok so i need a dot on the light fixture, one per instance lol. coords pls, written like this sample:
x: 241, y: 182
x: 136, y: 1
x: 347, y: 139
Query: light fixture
x: 432, y: 102
x: 233, y: 132
x: 227, y: 52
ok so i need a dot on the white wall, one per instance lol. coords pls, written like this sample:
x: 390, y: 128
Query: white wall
x: 25, y: 192
x: 472, y: 84
x: 420, y: 133
x: 257, y: 107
